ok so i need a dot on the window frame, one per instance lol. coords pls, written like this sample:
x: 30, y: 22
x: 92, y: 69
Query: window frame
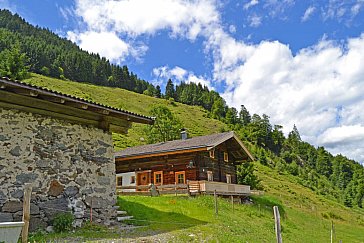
x: 226, y: 156
x: 212, y: 153
x: 132, y: 179
x: 155, y: 173
x: 228, y: 178
x: 180, y: 173
x: 117, y: 180
x: 210, y: 175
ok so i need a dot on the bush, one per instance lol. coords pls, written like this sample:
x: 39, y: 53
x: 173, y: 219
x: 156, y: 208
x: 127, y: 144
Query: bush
x: 63, y: 222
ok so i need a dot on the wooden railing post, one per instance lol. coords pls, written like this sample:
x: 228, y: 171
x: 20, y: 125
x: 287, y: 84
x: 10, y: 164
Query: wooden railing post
x: 215, y: 198
x: 277, y: 221
x: 26, y: 211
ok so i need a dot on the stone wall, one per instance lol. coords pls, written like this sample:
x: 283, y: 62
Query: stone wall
x: 70, y: 166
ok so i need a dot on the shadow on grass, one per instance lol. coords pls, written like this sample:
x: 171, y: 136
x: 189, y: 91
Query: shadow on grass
x: 156, y: 221
x: 267, y: 203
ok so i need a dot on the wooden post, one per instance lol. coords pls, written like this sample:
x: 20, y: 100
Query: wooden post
x: 26, y: 211
x: 332, y: 232
x: 277, y: 221
x: 175, y: 188
x: 215, y: 198
x: 232, y: 202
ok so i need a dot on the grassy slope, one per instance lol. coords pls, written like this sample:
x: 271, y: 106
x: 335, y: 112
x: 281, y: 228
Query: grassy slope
x: 307, y: 215
x: 193, y: 117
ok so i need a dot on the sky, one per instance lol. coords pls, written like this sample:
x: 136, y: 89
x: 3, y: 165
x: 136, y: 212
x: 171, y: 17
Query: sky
x: 299, y: 62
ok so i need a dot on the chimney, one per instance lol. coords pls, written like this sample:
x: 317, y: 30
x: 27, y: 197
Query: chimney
x: 183, y: 134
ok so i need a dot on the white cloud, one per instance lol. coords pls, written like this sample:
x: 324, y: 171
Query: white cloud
x: 107, y: 44
x: 232, y: 29
x: 308, y: 13
x: 255, y: 20
x: 318, y: 88
x: 250, y: 4
x: 305, y: 89
x: 178, y: 75
x: 123, y: 21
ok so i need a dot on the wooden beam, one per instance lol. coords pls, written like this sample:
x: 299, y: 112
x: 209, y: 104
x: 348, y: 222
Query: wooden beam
x: 77, y: 105
x: 46, y: 105
x: 160, y: 154
x: 53, y: 99
x: 72, y: 119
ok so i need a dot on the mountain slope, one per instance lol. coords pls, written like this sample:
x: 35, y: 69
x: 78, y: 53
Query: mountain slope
x: 307, y: 215
x: 194, y: 118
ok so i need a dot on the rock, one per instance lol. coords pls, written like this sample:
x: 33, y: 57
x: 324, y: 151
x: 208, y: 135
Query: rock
x: 18, y: 194
x: 100, y: 151
x: 81, y: 181
x: 100, y: 160
x: 71, y: 191
x: 6, y: 217
x: 50, y: 229
x: 12, y: 206
x: 34, y: 209
x: 15, y: 151
x: 98, y: 202
x: 26, y: 178
x: 102, y: 143
x: 53, y: 207
x: 77, y: 223
x: 103, y: 180
x: 3, y: 138
x: 36, y: 223
x: 55, y: 188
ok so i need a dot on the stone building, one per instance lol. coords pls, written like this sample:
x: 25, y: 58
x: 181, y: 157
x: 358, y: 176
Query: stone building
x: 63, y: 146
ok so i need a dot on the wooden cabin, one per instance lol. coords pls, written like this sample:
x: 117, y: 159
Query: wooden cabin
x: 211, y: 158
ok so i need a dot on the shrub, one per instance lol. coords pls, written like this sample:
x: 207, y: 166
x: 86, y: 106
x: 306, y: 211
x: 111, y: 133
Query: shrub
x: 63, y: 222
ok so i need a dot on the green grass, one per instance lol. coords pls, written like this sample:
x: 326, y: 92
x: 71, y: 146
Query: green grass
x: 306, y: 216
x: 194, y: 118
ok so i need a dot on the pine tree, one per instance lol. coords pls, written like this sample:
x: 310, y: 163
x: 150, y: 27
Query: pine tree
x: 244, y: 116
x: 170, y: 91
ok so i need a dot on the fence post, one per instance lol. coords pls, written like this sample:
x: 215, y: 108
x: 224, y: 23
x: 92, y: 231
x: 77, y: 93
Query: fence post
x: 215, y: 198
x: 175, y: 188
x: 26, y: 211
x: 232, y: 202
x: 277, y: 221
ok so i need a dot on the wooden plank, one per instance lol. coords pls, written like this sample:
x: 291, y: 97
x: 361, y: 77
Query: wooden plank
x: 160, y: 154
x: 26, y: 211
x: 74, y: 119
x: 15, y: 101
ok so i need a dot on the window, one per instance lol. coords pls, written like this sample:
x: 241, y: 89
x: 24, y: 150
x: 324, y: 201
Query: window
x: 212, y: 153
x: 210, y: 176
x: 228, y: 178
x: 226, y: 157
x: 158, y: 177
x: 180, y: 177
x: 119, y: 181
x: 132, y: 179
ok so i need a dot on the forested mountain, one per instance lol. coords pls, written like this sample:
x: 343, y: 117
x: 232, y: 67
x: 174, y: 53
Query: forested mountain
x: 54, y: 56
x: 334, y: 176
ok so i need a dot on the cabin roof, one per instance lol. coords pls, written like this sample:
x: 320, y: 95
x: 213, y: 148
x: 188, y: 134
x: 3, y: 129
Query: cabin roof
x: 44, y: 94
x: 192, y: 144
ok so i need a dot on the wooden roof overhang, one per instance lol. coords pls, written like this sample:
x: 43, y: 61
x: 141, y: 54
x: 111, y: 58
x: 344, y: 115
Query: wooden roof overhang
x: 161, y: 153
x: 26, y: 97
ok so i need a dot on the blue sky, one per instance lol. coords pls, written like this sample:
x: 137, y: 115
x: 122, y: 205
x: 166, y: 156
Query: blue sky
x: 300, y: 62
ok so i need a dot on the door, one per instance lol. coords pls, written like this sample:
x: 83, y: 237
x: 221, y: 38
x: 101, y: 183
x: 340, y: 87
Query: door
x: 143, y: 179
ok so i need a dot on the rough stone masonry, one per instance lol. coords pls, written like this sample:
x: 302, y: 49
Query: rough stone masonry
x: 71, y: 168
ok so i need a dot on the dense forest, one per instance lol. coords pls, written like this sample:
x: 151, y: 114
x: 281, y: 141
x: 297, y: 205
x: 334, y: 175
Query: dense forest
x: 26, y: 48
x: 51, y: 55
